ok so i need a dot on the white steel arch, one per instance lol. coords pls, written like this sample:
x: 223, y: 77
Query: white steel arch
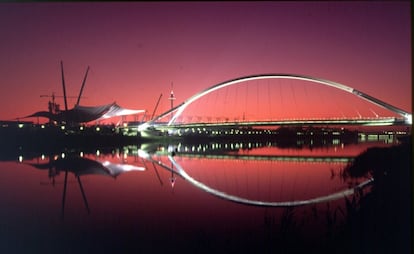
x: 181, y: 107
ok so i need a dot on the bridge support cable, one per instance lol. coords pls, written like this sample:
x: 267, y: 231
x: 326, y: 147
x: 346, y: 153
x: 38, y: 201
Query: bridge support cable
x: 257, y: 99
x: 246, y: 99
x: 407, y: 116
x: 280, y: 94
x: 237, y: 118
x: 269, y: 101
x: 339, y: 109
x: 294, y: 96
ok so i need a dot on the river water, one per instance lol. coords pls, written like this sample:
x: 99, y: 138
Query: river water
x: 195, y: 198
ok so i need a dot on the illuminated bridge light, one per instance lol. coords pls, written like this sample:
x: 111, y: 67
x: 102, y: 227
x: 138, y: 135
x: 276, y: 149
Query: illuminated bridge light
x: 409, y: 119
x: 20, y: 158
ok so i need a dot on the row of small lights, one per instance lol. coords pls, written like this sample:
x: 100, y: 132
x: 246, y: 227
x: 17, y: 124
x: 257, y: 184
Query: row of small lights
x: 241, y: 132
x: 81, y: 154
x: 62, y: 127
x: 216, y: 132
x: 244, y: 157
x: 214, y: 146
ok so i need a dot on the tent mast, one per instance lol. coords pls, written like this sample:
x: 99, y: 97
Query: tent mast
x: 83, y: 85
x: 64, y: 88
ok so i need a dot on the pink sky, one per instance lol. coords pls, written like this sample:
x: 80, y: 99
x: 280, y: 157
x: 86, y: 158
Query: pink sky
x: 135, y: 50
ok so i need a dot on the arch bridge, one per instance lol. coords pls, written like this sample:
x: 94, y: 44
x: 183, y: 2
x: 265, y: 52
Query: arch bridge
x: 404, y: 117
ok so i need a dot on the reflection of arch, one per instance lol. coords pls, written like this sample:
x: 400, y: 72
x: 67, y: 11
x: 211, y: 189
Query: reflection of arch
x: 181, y: 107
x: 334, y: 196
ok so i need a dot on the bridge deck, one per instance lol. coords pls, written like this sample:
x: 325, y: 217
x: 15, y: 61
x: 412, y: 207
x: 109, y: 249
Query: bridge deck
x: 380, y: 121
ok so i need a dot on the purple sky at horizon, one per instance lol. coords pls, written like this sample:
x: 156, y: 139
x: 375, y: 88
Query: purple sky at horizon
x: 136, y: 49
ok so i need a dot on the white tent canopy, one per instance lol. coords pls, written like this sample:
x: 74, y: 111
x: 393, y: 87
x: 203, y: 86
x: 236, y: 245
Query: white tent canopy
x: 84, y: 114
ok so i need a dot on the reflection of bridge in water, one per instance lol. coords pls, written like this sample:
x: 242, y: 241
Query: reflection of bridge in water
x: 309, y: 158
x: 169, y: 159
x: 233, y: 153
x: 176, y: 168
x: 165, y: 157
x: 176, y: 116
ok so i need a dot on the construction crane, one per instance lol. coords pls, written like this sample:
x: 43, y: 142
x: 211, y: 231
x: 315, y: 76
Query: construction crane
x: 53, y: 107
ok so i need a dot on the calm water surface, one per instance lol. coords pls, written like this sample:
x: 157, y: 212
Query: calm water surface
x: 195, y: 198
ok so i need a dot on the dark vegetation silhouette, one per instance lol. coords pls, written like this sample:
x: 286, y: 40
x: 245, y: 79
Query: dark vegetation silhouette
x: 381, y: 220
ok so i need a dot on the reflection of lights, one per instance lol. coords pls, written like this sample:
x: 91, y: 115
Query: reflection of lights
x: 20, y: 158
x: 127, y: 167
x: 170, y: 149
x: 143, y: 154
x: 116, y: 169
x: 172, y: 181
